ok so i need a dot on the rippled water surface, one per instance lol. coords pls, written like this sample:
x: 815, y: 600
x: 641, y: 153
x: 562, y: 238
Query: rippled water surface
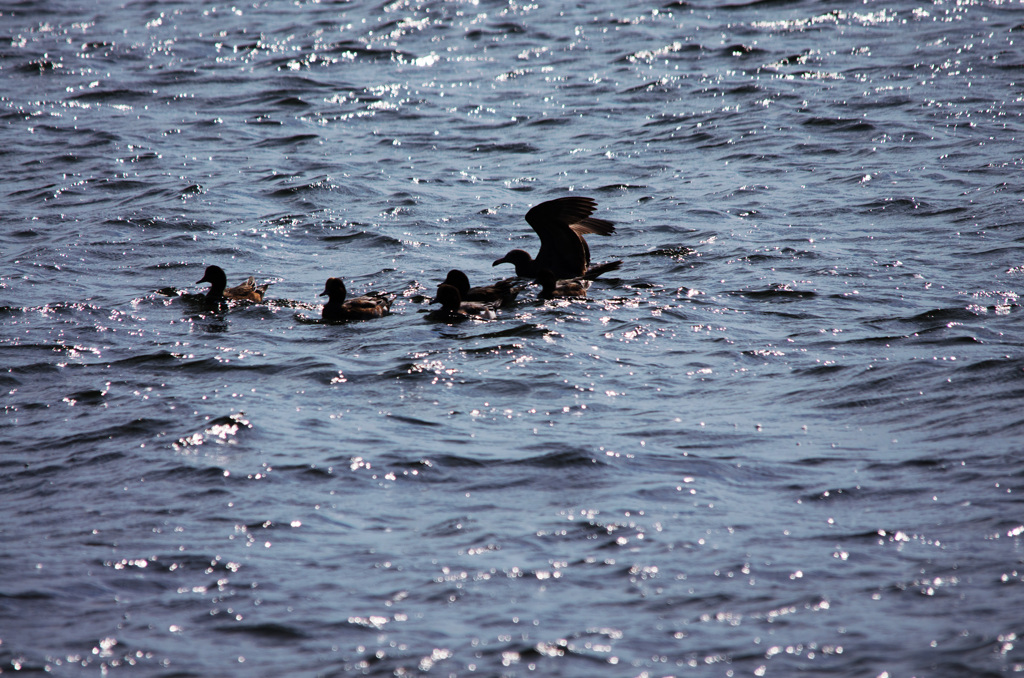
x: 785, y: 437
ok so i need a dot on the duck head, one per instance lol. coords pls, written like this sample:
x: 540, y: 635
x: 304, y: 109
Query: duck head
x: 334, y: 288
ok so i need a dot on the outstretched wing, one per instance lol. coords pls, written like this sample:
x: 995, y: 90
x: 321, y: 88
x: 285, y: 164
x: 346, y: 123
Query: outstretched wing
x: 560, y: 224
x: 574, y: 212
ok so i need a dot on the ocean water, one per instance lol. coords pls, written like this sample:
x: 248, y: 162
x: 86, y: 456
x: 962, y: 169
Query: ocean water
x: 786, y: 437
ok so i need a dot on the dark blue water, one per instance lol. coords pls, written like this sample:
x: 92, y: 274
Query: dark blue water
x: 786, y: 437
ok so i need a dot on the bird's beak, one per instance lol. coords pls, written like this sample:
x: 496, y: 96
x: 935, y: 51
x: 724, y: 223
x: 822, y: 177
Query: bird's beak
x: 503, y: 260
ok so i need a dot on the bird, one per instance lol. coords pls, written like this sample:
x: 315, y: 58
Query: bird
x: 552, y: 288
x: 247, y: 291
x: 454, y: 309
x: 373, y: 305
x: 503, y: 291
x: 561, y: 223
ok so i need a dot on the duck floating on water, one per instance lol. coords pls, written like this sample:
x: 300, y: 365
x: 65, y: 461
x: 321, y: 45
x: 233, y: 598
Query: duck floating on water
x: 502, y: 291
x: 552, y: 288
x: 219, y: 290
x: 365, y: 307
x: 454, y: 309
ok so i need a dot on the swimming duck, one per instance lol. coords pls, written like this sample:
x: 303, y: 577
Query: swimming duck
x: 503, y: 291
x: 552, y: 288
x: 373, y: 305
x: 218, y: 279
x: 561, y: 223
x: 454, y: 309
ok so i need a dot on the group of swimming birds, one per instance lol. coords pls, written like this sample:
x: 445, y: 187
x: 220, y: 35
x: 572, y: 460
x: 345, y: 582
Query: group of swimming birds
x: 562, y: 268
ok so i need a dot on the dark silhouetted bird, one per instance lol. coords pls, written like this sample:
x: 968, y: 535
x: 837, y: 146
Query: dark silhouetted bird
x: 552, y: 288
x: 218, y: 280
x: 454, y: 309
x: 560, y: 224
x: 503, y: 291
x: 373, y: 305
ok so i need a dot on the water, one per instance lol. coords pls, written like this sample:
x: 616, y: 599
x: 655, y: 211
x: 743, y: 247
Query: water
x: 785, y: 437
